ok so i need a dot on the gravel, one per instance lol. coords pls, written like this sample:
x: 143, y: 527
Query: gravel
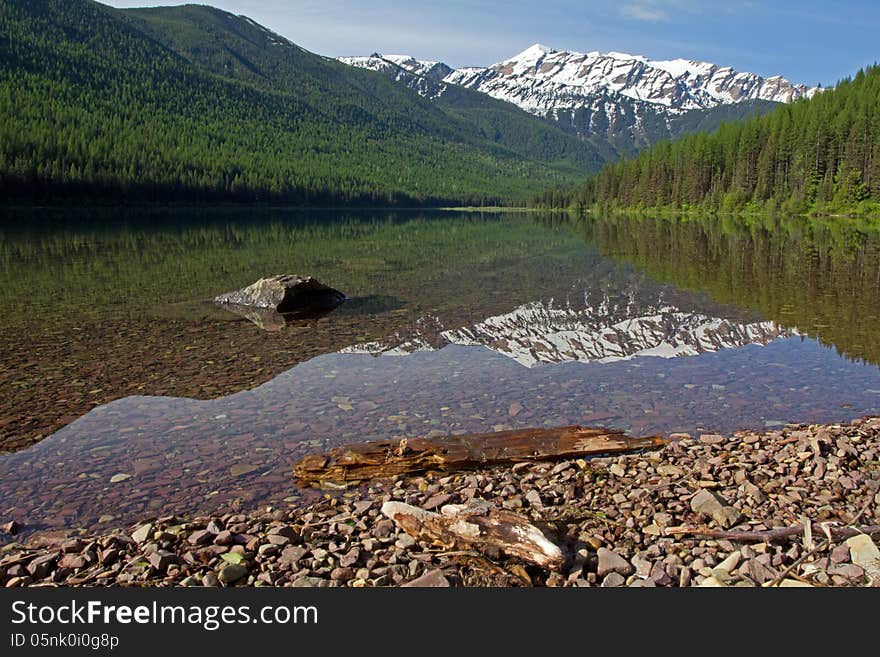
x: 621, y: 521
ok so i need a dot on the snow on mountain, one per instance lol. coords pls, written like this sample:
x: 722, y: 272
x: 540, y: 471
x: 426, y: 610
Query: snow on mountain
x: 424, y: 77
x: 540, y: 79
x: 543, y: 332
x: 615, y: 95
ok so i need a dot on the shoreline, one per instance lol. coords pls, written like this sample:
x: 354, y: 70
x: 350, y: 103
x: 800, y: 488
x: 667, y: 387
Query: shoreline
x: 641, y: 519
x: 679, y: 213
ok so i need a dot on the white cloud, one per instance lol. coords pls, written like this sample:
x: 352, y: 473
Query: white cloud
x: 644, y: 11
x: 655, y: 11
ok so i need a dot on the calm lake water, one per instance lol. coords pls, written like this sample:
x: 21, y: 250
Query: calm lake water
x: 138, y: 397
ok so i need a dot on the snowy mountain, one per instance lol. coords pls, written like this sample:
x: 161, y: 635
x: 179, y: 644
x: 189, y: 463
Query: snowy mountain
x: 628, y: 99
x: 540, y: 79
x: 425, y: 77
x: 614, y: 329
x: 376, y: 62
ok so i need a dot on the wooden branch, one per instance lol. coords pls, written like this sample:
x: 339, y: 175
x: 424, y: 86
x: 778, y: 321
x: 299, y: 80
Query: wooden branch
x: 827, y: 542
x: 477, y: 526
x: 364, y: 461
x: 770, y: 535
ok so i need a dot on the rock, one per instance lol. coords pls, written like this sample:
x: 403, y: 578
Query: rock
x: 72, y: 561
x: 864, y: 553
x: 292, y: 554
x: 10, y: 528
x: 840, y: 554
x: 285, y: 293
x: 611, y: 562
x: 383, y: 528
x: 561, y: 467
x: 642, y: 565
x: 613, y: 580
x: 405, y: 541
x: 210, y: 579
x: 309, y: 582
x: 431, y: 579
x: 711, y: 582
x: 341, y: 574
x: 286, y: 531
x: 436, y: 501
x: 109, y: 556
x: 716, y: 507
x: 349, y: 558
x: 662, y: 520
x: 16, y: 571
x: 684, y: 578
x: 41, y: 566
x: 757, y: 571
x: 851, y: 571
x: 142, y: 533
x: 534, y: 499
x: 729, y: 563
x: 201, y: 537
x: 231, y: 573
x: 265, y: 318
x: 659, y: 575
x: 712, y: 439
x: 162, y: 559
x: 362, y: 506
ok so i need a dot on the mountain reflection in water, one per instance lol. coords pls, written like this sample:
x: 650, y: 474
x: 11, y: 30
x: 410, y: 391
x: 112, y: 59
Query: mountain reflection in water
x: 536, y: 324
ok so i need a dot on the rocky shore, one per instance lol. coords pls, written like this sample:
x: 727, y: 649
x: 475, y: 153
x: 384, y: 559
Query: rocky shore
x: 695, y: 513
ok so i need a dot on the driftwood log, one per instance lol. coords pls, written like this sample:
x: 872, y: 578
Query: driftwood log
x: 477, y: 526
x: 365, y: 461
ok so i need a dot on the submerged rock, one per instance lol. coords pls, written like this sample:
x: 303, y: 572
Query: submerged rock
x: 285, y: 293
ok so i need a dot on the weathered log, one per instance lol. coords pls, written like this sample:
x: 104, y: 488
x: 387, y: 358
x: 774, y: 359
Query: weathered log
x: 364, y: 461
x: 478, y: 526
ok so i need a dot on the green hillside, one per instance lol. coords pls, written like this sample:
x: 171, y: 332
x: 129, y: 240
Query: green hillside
x: 234, y: 46
x: 192, y: 103
x: 820, y: 155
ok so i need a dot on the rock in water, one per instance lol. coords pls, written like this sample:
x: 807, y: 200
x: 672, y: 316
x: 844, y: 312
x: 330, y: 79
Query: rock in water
x: 285, y: 293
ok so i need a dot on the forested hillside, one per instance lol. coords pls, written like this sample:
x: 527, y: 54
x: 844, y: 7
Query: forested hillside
x: 236, y: 47
x: 96, y: 103
x: 819, y: 155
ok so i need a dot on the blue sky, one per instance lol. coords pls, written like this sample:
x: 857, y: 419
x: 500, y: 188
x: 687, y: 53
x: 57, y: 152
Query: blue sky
x: 807, y: 41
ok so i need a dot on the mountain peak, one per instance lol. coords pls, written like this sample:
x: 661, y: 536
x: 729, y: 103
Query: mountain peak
x: 534, y: 52
x: 541, y: 80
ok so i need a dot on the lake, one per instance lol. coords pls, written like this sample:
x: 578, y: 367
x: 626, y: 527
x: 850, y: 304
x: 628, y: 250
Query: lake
x: 126, y: 393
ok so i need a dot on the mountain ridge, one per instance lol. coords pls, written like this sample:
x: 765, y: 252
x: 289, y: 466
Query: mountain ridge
x: 627, y: 101
x: 192, y: 103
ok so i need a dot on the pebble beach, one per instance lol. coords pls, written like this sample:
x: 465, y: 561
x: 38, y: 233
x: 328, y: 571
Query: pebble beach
x: 649, y: 519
